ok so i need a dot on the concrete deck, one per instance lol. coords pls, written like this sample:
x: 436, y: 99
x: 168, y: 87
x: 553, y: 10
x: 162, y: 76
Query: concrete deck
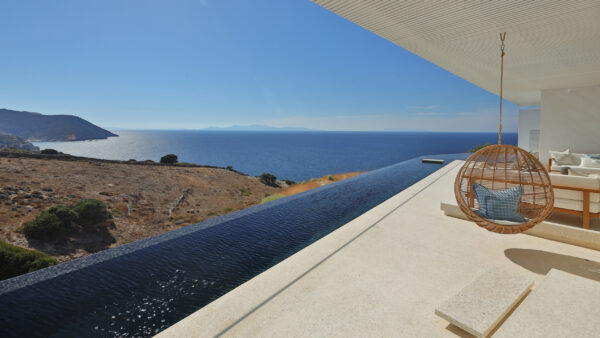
x: 558, y: 227
x: 383, y: 274
x: 564, y: 305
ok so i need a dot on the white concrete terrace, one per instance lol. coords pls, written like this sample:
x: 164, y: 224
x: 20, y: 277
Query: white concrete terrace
x: 382, y: 274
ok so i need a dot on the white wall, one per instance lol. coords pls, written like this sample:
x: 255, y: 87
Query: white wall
x: 570, y: 118
x: 529, y: 126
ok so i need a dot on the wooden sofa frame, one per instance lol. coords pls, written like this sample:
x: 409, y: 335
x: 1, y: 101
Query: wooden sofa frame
x: 586, y: 214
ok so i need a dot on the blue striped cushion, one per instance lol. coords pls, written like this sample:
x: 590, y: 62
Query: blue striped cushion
x: 499, y: 204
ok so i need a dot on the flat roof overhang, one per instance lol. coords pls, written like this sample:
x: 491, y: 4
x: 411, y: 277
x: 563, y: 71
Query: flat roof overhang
x: 550, y: 44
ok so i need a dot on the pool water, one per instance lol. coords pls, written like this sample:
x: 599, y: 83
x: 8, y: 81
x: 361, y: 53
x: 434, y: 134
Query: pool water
x: 142, y: 288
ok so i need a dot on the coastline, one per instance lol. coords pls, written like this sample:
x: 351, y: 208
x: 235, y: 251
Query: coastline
x: 296, y: 156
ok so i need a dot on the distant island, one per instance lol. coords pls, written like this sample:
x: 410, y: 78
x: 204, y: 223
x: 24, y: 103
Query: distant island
x: 258, y: 127
x: 36, y: 127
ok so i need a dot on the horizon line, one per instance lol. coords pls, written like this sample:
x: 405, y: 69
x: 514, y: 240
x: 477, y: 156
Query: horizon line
x: 305, y: 130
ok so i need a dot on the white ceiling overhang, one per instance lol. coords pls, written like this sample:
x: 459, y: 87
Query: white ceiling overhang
x: 549, y: 43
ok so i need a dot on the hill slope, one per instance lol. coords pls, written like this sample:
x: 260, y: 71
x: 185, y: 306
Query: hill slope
x: 145, y: 200
x: 38, y: 127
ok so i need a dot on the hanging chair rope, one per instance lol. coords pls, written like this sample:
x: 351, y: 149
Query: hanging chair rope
x: 502, y: 37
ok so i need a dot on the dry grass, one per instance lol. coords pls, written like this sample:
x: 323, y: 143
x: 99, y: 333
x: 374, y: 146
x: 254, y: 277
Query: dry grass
x: 143, y: 199
x: 317, y: 182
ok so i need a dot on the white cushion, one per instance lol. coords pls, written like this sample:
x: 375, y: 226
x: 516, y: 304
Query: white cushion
x: 587, y: 171
x: 563, y: 157
x: 577, y: 171
x: 574, y: 195
x: 580, y: 170
x: 575, y: 205
x: 590, y: 163
x: 574, y: 181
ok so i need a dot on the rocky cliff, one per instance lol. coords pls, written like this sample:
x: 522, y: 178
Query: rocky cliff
x: 39, y: 127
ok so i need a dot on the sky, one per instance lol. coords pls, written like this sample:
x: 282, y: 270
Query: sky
x: 146, y: 64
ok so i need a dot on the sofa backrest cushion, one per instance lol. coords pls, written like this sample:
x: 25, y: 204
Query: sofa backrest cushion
x: 565, y: 157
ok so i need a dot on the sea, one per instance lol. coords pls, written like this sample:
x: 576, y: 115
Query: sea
x: 290, y: 155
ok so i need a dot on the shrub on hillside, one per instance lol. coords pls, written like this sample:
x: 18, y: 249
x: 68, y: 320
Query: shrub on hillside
x: 268, y: 179
x: 65, y: 214
x: 478, y: 147
x: 60, y: 219
x: 49, y: 152
x: 169, y: 159
x: 91, y: 211
x: 46, y: 225
x: 16, y: 261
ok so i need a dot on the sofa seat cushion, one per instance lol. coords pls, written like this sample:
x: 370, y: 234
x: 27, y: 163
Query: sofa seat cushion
x: 575, y: 181
x: 589, y: 163
x: 573, y: 195
x: 575, y: 205
x: 578, y: 169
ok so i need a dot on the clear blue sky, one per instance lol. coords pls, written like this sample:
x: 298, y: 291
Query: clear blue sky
x: 193, y: 64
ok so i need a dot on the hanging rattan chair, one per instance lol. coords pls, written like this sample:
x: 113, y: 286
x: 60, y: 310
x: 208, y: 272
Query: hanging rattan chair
x: 506, y: 178
x: 502, y: 167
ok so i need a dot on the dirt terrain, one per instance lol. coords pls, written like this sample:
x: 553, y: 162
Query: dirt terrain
x: 145, y: 200
x: 316, y: 182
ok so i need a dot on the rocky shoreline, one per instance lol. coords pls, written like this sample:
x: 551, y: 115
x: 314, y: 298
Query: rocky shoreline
x: 16, y: 142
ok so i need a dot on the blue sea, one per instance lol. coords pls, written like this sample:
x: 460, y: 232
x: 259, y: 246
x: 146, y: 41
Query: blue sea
x: 288, y: 155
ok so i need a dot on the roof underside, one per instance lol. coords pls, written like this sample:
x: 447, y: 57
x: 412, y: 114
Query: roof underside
x: 549, y: 44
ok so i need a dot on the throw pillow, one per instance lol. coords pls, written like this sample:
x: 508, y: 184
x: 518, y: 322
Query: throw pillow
x: 563, y: 157
x: 499, y: 204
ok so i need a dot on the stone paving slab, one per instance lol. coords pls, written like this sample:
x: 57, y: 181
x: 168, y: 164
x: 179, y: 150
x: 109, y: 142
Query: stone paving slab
x: 481, y: 305
x: 564, y: 305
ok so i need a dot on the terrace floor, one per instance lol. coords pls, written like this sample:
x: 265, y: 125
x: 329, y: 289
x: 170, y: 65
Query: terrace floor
x: 383, y: 274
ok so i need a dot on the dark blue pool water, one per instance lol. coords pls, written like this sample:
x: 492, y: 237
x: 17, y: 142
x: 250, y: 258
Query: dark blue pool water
x: 142, y: 288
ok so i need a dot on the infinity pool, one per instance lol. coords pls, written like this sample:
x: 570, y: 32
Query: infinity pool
x: 142, y: 288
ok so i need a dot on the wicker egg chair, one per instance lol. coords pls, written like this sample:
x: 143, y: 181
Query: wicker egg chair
x: 502, y: 167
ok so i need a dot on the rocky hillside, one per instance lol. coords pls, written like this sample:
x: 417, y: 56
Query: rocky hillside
x: 39, y: 127
x: 15, y: 142
x: 144, y: 200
